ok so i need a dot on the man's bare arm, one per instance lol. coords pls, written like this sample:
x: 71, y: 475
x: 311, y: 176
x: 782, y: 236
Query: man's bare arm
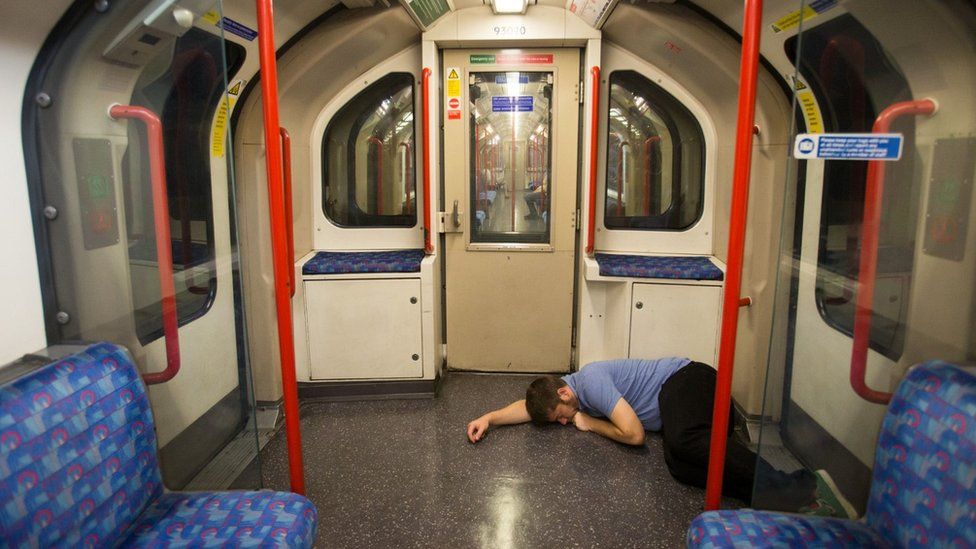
x: 624, y: 426
x: 515, y: 412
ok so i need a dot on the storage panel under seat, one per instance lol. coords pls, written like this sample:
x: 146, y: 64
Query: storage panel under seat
x: 674, y: 320
x: 364, y: 328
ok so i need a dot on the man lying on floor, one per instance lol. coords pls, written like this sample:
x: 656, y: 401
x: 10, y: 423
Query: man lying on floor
x: 620, y: 399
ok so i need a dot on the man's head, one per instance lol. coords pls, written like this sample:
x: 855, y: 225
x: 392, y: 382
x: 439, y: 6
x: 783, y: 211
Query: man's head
x: 549, y: 399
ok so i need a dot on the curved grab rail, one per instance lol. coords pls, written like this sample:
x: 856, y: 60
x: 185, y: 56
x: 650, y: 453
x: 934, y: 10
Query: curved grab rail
x: 425, y: 89
x: 594, y: 114
x: 164, y: 246
x: 279, y: 246
x: 289, y: 207
x: 871, y: 221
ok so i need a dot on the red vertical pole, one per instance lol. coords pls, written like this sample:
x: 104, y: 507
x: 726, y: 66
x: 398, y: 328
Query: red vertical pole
x: 428, y: 203
x: 748, y: 72
x: 279, y: 244
x: 594, y: 114
x: 379, y: 172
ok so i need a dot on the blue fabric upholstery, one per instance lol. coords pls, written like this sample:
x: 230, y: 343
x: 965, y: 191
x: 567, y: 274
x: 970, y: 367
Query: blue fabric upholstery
x: 748, y: 528
x: 923, y: 489
x: 642, y: 266
x: 923, y: 492
x: 219, y: 519
x: 78, y: 462
x: 397, y: 261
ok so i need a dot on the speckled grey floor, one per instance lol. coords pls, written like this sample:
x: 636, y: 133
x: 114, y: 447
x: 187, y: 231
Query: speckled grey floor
x: 401, y: 473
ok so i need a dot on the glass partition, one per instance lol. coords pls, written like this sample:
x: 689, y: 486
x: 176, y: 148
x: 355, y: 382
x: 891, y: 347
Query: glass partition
x: 104, y: 211
x: 511, y: 120
x: 899, y: 229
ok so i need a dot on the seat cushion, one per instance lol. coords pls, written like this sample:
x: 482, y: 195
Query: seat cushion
x: 923, y: 492
x: 77, y: 451
x: 226, y: 519
x: 748, y: 528
x: 642, y: 266
x: 396, y: 261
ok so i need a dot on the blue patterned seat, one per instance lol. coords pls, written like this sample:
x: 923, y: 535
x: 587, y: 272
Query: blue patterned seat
x: 643, y: 266
x: 78, y: 468
x: 396, y: 261
x: 923, y: 490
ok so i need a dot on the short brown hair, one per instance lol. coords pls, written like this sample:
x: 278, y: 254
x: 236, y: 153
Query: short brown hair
x: 541, y: 398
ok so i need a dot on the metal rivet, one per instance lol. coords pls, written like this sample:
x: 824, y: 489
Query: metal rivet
x: 50, y: 212
x: 62, y: 317
x: 640, y: 305
x: 101, y: 6
x: 413, y: 300
x: 416, y: 356
x: 43, y: 100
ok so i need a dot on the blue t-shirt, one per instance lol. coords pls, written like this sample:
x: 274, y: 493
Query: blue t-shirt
x: 600, y: 385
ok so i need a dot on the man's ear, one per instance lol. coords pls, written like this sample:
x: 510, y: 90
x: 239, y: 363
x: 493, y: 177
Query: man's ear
x: 564, y: 393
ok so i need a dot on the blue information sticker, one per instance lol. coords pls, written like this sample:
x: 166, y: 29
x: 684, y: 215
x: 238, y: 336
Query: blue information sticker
x: 239, y: 29
x: 503, y: 79
x: 848, y: 146
x: 511, y: 103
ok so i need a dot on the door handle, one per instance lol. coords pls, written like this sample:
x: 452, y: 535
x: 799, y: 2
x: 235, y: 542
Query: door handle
x: 456, y: 215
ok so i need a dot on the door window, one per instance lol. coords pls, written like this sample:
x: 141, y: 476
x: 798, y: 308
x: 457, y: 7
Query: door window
x: 511, y: 187
x: 185, y: 94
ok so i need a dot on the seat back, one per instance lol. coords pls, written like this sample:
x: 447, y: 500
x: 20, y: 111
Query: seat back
x: 77, y: 451
x: 924, y: 486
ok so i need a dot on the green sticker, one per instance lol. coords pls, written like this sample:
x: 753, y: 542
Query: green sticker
x: 428, y: 11
x: 483, y: 59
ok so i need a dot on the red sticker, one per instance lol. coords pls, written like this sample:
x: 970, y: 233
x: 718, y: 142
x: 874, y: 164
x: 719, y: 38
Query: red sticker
x: 453, y: 115
x: 454, y: 103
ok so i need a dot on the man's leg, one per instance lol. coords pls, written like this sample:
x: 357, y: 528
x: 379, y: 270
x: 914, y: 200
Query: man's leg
x: 686, y: 404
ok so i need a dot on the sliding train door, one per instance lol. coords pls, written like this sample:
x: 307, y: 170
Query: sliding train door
x: 878, y: 256
x: 135, y: 221
x: 510, y: 170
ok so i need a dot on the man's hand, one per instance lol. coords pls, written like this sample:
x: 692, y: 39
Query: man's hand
x: 582, y: 421
x: 477, y: 429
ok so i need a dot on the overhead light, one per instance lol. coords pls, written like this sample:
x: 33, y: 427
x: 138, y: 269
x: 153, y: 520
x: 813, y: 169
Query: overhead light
x: 509, y: 6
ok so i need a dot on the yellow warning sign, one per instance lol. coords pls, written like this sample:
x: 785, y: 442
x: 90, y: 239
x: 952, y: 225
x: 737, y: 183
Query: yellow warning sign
x: 792, y: 19
x: 211, y: 17
x: 453, y: 82
x: 236, y: 88
x: 811, y: 112
x: 798, y: 84
x: 220, y: 126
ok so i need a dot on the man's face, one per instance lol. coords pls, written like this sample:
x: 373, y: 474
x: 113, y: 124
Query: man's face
x: 566, y: 409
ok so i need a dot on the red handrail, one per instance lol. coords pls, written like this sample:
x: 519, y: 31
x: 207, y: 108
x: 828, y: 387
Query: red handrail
x: 752, y: 19
x: 279, y: 242
x: 870, y: 223
x: 647, y: 167
x: 620, y: 177
x: 511, y: 161
x: 595, y: 118
x: 408, y: 175
x: 379, y: 172
x: 425, y: 89
x: 289, y: 209
x: 164, y: 244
